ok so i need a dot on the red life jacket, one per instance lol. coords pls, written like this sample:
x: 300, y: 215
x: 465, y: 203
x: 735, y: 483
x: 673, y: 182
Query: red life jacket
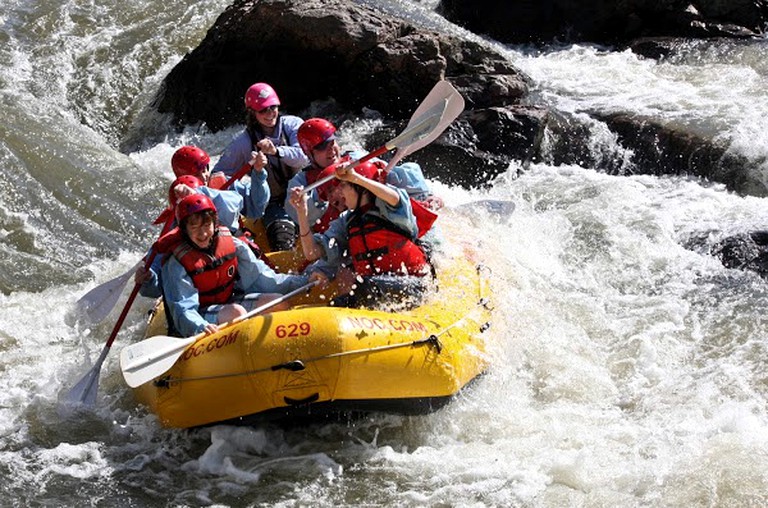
x: 213, y: 275
x: 378, y: 247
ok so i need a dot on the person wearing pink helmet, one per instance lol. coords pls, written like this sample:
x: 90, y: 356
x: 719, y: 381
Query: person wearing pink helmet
x: 269, y: 141
x: 378, y: 236
x: 210, y: 277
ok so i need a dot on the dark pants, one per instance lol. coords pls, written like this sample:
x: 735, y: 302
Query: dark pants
x: 386, y: 292
x: 281, y: 230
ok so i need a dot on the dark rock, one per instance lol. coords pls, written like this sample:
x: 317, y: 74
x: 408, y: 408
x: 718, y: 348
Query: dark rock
x: 605, y: 21
x: 316, y: 50
x: 663, y: 149
x: 746, y: 251
x: 656, y: 48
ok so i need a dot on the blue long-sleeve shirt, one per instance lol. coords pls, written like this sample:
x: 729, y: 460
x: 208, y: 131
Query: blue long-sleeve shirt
x: 253, y: 276
x: 289, y: 153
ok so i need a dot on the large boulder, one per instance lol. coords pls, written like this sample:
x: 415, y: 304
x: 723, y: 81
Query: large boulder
x: 315, y: 50
x: 607, y: 21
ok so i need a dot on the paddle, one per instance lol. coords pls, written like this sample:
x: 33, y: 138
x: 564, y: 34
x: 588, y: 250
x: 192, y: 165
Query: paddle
x: 97, y: 303
x: 146, y: 360
x: 436, y: 112
x: 84, y: 392
x: 442, y: 90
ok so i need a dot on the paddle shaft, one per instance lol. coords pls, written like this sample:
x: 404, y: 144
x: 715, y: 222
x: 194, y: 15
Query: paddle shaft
x: 353, y: 164
x: 135, y: 290
x: 421, y: 129
x: 237, y: 176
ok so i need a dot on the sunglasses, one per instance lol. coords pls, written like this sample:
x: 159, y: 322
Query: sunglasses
x: 325, y: 144
x: 268, y: 108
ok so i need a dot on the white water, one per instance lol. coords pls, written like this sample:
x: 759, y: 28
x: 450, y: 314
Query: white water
x: 625, y: 369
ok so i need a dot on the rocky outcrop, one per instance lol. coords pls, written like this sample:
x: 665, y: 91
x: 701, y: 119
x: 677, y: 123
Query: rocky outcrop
x: 315, y: 50
x: 742, y: 251
x: 640, y: 145
x: 606, y: 21
x: 338, y: 58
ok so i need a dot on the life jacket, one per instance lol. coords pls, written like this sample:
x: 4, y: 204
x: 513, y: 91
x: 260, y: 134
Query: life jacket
x: 425, y: 217
x: 278, y: 173
x: 213, y: 274
x: 378, y: 247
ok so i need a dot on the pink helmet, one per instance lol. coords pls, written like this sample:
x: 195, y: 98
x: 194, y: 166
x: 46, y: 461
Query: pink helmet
x: 260, y: 96
x: 314, y: 132
x: 194, y: 203
x: 189, y: 160
x: 189, y: 180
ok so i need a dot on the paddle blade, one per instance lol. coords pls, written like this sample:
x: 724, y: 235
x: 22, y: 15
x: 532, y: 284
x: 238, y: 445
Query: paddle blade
x: 443, y: 99
x: 144, y: 361
x: 97, y: 303
x: 84, y: 392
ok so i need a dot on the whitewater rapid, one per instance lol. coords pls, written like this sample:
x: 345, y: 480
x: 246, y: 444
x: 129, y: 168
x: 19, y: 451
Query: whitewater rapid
x: 625, y: 368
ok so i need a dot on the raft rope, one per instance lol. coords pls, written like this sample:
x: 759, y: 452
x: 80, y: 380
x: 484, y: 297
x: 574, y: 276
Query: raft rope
x: 298, y: 365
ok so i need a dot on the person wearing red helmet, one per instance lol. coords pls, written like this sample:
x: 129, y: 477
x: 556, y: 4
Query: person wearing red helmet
x: 210, y: 277
x: 228, y: 204
x: 253, y: 194
x: 377, y: 235
x: 317, y: 137
x: 269, y: 141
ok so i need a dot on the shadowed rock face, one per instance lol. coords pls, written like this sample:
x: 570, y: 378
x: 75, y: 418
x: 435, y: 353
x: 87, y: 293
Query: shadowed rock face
x: 319, y: 49
x: 316, y: 50
x: 607, y: 21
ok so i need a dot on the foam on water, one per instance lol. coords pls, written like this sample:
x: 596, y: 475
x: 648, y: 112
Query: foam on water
x: 625, y: 369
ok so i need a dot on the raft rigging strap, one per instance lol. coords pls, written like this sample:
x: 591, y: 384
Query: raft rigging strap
x: 298, y: 364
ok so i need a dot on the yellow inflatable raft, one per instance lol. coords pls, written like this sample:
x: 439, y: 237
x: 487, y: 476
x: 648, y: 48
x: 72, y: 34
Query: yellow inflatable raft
x: 315, y: 359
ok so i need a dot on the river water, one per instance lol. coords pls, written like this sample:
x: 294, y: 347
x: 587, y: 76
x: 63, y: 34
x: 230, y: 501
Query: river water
x: 625, y: 370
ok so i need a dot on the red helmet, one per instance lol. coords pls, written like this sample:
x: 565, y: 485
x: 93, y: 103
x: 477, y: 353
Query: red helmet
x: 260, y: 96
x: 371, y: 171
x: 314, y: 132
x: 189, y: 180
x: 189, y: 160
x: 366, y: 169
x: 194, y: 203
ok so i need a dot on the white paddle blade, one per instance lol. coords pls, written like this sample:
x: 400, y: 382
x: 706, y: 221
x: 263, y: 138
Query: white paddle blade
x: 443, y: 95
x: 144, y: 361
x: 97, y: 303
x: 421, y: 129
x: 85, y: 391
